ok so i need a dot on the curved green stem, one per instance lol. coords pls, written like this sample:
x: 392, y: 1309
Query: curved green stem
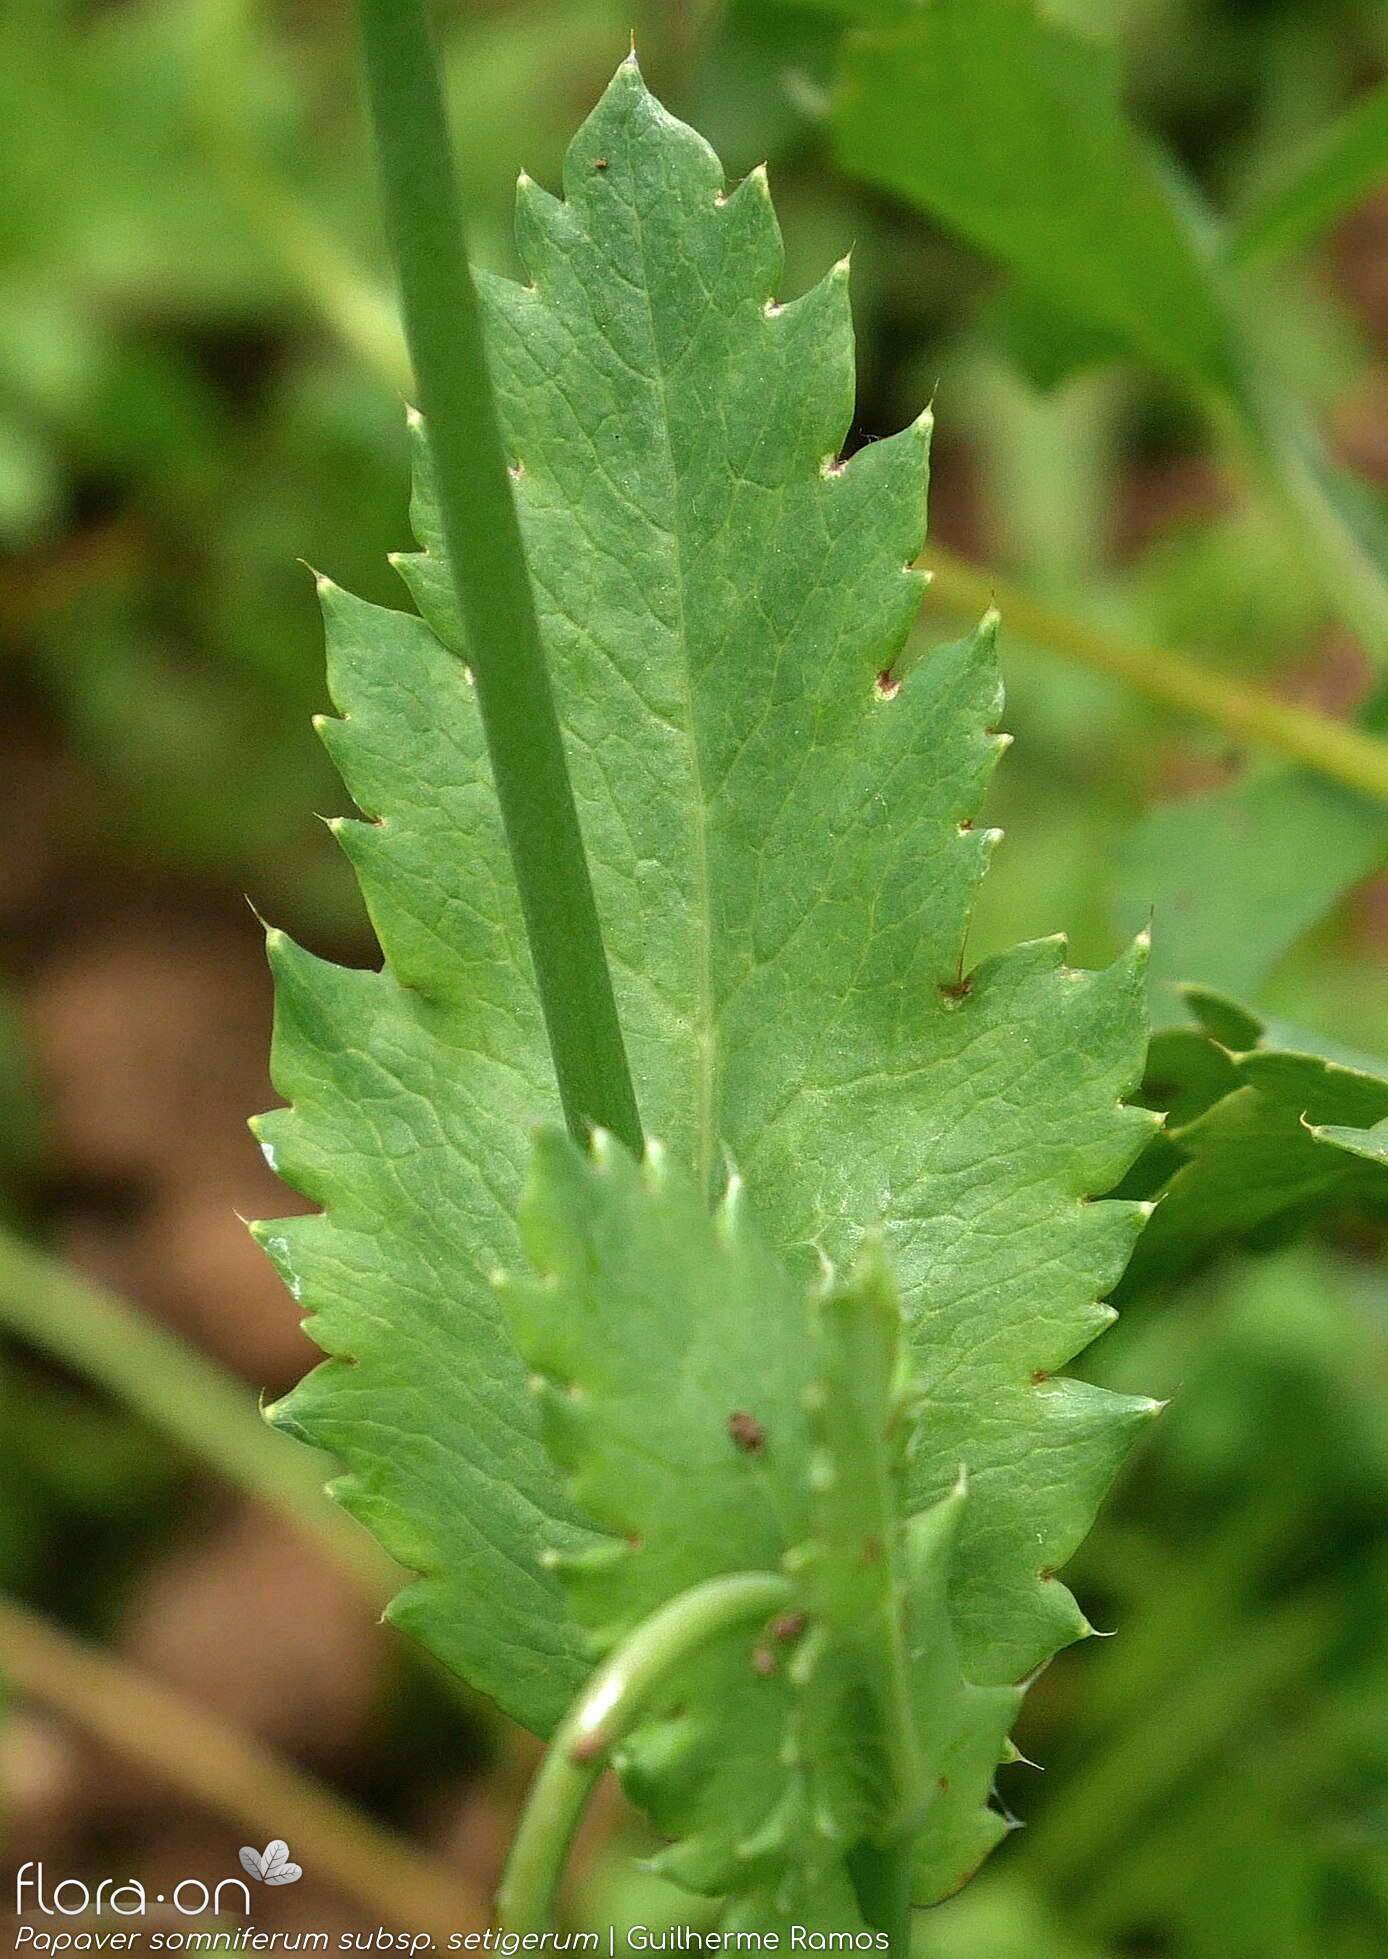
x: 1333, y: 748
x: 613, y: 1700
x: 486, y: 559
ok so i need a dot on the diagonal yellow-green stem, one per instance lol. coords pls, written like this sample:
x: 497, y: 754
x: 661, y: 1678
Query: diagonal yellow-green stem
x: 1337, y: 749
x: 486, y: 559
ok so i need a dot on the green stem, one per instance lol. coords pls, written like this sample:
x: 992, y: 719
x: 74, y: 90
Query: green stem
x: 185, y: 1395
x: 604, y: 1713
x: 1333, y: 748
x: 486, y: 559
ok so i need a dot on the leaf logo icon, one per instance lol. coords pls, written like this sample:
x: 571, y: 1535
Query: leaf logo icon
x: 271, y: 1865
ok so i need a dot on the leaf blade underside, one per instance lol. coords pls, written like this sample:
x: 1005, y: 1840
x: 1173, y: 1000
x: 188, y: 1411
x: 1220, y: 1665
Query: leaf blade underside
x: 784, y: 859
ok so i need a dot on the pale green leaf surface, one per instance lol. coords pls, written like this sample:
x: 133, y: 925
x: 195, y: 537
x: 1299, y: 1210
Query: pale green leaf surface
x: 714, y: 1415
x: 785, y: 864
x: 412, y: 1090
x: 1008, y: 127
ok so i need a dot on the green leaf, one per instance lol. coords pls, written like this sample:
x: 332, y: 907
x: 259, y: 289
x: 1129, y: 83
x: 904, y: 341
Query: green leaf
x: 412, y: 1089
x: 671, y: 1356
x: 714, y: 1415
x: 782, y: 847
x: 1283, y: 1137
x: 1233, y: 877
x: 1009, y: 128
x: 1045, y: 341
x: 1341, y: 164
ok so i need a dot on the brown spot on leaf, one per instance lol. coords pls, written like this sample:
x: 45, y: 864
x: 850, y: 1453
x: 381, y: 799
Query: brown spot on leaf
x: 588, y: 1747
x: 789, y: 1625
x: 763, y: 1661
x: 747, y: 1432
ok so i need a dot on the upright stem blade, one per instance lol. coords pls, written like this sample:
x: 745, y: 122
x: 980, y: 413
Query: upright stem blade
x: 487, y: 562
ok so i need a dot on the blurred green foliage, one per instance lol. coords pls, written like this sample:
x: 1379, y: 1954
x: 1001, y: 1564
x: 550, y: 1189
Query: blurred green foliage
x: 199, y: 383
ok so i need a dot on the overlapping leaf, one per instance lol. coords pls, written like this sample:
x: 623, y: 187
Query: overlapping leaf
x: 1268, y: 1130
x: 712, y: 1415
x: 782, y: 844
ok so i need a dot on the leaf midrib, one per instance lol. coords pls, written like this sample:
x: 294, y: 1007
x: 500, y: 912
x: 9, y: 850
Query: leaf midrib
x: 706, y: 1044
